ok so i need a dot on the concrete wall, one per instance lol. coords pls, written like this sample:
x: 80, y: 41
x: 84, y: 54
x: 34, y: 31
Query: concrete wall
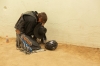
x: 69, y: 21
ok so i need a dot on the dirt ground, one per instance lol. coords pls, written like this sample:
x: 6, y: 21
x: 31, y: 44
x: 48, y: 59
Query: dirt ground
x: 64, y: 55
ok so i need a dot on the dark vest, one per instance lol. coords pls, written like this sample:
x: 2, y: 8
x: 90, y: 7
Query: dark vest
x: 21, y: 21
x: 31, y: 13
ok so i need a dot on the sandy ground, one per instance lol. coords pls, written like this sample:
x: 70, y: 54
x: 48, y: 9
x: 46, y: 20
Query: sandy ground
x: 64, y: 55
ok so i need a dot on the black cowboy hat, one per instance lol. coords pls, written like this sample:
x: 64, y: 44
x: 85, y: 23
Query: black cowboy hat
x: 40, y: 31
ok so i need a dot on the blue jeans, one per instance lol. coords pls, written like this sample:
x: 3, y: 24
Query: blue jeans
x: 22, y: 38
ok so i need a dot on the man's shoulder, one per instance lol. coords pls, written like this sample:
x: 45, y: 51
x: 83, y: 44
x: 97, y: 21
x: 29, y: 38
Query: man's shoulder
x: 30, y: 13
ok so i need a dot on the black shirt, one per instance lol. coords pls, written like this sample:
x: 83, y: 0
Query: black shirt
x: 29, y: 25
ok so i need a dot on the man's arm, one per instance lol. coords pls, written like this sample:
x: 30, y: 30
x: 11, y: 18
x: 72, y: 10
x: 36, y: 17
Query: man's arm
x: 19, y: 26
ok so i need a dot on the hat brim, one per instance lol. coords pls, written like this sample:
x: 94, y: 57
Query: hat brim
x: 36, y: 34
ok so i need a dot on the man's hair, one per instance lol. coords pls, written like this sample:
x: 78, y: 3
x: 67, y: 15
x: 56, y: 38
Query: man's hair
x: 43, y: 15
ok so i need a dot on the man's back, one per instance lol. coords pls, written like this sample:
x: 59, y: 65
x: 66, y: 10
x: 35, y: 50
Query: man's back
x: 30, y: 23
x: 27, y: 22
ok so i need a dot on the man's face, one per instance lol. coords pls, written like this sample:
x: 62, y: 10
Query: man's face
x: 41, y: 21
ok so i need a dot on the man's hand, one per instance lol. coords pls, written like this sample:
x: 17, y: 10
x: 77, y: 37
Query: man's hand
x: 17, y: 31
